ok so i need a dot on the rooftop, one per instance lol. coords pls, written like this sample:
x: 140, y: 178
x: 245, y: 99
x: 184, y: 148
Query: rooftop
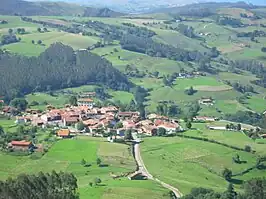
x: 63, y: 132
x: 20, y: 143
x: 85, y: 100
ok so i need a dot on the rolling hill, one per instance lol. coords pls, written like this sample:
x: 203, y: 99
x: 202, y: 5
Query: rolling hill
x: 26, y: 8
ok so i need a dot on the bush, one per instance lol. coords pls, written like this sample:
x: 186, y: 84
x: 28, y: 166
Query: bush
x: 227, y: 174
x: 247, y: 148
x: 34, y: 103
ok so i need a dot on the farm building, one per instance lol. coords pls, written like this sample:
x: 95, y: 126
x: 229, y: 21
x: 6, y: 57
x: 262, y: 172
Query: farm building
x: 206, y: 101
x: 21, y: 145
x: 63, y: 133
x: 86, y: 102
x: 137, y: 176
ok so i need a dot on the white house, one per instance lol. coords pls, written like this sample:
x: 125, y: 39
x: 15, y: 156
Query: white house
x: 86, y: 102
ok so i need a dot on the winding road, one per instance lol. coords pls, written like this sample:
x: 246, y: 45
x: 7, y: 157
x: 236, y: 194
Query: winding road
x: 145, y: 172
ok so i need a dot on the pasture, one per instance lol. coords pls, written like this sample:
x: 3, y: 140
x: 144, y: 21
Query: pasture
x: 176, y: 39
x: 186, y: 163
x: 44, y: 99
x: 26, y: 47
x: 66, y: 155
x: 234, y: 138
x: 7, y: 124
x: 142, y: 62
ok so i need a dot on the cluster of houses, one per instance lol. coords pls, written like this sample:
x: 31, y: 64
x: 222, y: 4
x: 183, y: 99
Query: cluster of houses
x: 95, y: 120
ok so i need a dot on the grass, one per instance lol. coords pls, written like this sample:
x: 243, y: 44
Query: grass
x: 121, y: 96
x: 198, y: 82
x: 140, y: 61
x: 65, y: 155
x: 176, y: 39
x: 8, y: 124
x: 15, y: 22
x: 57, y: 100
x: 238, y: 139
x: 26, y: 47
x: 187, y: 163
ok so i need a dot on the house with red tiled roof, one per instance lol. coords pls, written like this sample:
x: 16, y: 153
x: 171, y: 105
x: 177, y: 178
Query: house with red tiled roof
x: 170, y: 127
x: 149, y: 130
x: 109, y: 109
x: 21, y: 145
x: 37, y: 122
x: 128, y: 124
x: 63, y: 133
x: 86, y: 102
x: 69, y: 120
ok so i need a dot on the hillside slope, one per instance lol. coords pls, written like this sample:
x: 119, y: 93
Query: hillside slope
x: 58, y: 67
x: 27, y: 8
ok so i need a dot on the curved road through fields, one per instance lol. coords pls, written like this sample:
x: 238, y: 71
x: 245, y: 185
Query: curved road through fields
x: 145, y: 172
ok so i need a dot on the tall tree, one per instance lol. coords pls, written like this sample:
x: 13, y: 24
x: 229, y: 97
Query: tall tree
x: 73, y: 100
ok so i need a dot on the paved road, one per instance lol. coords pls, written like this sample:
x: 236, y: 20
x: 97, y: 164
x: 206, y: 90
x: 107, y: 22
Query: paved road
x: 145, y: 172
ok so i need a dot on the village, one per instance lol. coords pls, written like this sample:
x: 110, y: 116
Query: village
x: 87, y: 119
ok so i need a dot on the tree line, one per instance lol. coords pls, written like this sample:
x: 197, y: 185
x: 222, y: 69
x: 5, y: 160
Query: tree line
x: 150, y: 47
x: 247, y: 117
x: 255, y: 33
x: 253, y: 189
x: 255, y: 67
x: 41, y: 186
x: 56, y: 68
x: 74, y: 28
x: 225, y: 20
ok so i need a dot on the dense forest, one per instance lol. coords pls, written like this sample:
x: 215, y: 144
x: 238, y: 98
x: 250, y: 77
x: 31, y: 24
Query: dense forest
x: 103, y: 12
x: 41, y: 186
x: 58, y: 67
x: 253, y: 189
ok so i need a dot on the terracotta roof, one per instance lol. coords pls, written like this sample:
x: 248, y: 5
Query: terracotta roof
x: 158, y: 122
x: 63, y: 132
x: 71, y: 119
x: 128, y: 113
x: 85, y: 100
x: 169, y: 125
x: 20, y: 143
x: 90, y: 122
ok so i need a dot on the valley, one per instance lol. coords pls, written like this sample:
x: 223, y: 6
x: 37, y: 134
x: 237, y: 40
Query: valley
x: 182, y: 87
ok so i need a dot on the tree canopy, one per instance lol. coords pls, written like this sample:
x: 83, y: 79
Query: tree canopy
x: 41, y: 186
x: 58, y: 67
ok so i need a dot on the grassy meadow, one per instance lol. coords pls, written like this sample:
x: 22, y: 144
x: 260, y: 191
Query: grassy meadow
x: 66, y: 155
x: 26, y: 47
x: 187, y: 163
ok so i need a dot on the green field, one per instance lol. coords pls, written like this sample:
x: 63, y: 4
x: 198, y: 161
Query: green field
x: 178, y: 40
x: 26, y: 47
x: 140, y: 61
x: 8, y: 124
x: 66, y: 155
x: 44, y: 99
x: 186, y: 163
x: 238, y: 139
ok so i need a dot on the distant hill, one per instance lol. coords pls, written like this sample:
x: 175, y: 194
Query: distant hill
x: 204, y: 9
x: 101, y: 12
x: 143, y: 6
x: 27, y: 8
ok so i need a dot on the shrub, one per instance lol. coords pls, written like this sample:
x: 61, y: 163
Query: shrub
x: 247, y: 148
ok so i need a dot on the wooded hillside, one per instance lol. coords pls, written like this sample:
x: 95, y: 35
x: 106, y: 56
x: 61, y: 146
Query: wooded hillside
x: 25, y: 8
x: 58, y: 67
